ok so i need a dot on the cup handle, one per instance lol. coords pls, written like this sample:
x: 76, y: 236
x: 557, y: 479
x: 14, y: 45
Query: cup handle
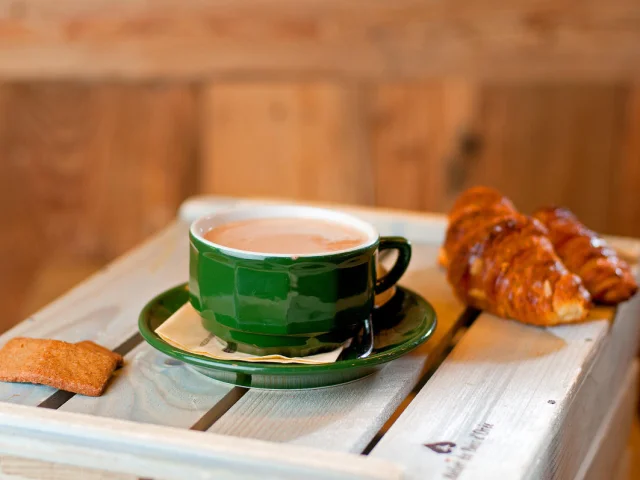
x: 404, y: 256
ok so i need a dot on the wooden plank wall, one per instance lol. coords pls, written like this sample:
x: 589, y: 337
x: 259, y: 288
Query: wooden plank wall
x: 85, y: 173
x: 87, y: 170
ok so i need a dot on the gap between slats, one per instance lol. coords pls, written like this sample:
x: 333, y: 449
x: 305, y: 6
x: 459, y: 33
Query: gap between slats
x: 205, y: 422
x: 61, y: 397
x: 468, y: 316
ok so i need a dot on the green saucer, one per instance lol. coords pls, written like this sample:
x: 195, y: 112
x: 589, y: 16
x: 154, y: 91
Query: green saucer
x: 399, y: 326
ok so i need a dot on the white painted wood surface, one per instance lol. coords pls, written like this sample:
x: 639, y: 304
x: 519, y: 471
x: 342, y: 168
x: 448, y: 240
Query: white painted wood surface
x: 609, y: 443
x: 16, y: 468
x: 601, y: 378
x: 501, y: 373
x: 344, y: 418
x: 170, y: 453
x: 153, y: 388
x: 517, y: 401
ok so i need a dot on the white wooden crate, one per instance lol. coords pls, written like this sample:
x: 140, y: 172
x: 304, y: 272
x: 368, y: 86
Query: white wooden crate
x: 517, y: 401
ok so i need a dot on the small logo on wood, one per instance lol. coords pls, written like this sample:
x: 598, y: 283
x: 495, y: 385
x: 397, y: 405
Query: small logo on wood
x: 441, y: 447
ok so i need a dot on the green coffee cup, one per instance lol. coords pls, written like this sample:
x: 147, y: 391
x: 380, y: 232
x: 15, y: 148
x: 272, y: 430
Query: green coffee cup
x: 287, y: 304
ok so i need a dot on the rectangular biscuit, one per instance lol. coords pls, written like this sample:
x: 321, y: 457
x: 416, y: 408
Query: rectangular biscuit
x: 99, y: 348
x: 61, y: 365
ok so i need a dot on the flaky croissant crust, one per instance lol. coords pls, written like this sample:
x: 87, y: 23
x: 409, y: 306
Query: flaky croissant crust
x: 607, y: 277
x: 502, y: 261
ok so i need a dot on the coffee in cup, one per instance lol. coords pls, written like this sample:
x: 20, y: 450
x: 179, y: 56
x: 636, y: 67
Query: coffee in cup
x: 294, y: 236
x: 287, y: 280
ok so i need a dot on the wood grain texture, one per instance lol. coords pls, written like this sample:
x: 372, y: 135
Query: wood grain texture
x: 624, y: 211
x: 632, y: 465
x: 347, y: 417
x: 18, y: 229
x: 105, y: 307
x: 472, y: 388
x: 148, y: 390
x: 102, y: 167
x: 140, y: 393
x: 55, y: 276
x: 475, y: 399
x: 547, y: 144
x: 15, y: 468
x: 170, y: 453
x: 608, y: 447
x: 89, y: 171
x: 605, y: 376
x: 296, y: 140
x: 418, y: 133
x: 362, y: 38
x: 152, y: 388
x: 487, y: 372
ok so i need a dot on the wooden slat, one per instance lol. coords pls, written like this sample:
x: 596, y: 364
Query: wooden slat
x: 605, y: 375
x: 152, y: 388
x: 296, y: 140
x: 538, y: 394
x: 608, y: 446
x: 543, y: 144
x: 105, y: 307
x: 171, y: 453
x: 346, y: 418
x: 418, y: 134
x: 363, y: 38
x: 16, y: 468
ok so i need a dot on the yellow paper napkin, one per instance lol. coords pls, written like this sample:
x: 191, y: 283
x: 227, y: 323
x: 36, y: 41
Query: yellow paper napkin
x: 184, y: 330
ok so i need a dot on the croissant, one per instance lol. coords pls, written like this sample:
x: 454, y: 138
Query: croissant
x: 473, y: 202
x: 480, y: 197
x: 502, y: 262
x: 607, y: 277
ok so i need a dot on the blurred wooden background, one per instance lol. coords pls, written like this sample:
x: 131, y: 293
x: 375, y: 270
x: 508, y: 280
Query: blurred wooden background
x: 112, y: 114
